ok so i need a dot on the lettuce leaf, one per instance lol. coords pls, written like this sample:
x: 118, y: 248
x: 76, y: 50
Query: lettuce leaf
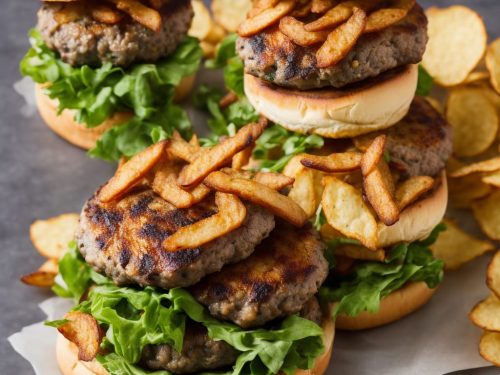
x: 363, y: 289
x: 136, y: 317
x: 425, y: 82
x: 96, y: 93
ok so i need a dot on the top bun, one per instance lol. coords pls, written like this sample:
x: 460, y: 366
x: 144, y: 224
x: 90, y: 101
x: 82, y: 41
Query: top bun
x: 367, y: 106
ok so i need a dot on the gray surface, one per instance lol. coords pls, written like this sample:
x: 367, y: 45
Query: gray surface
x: 41, y: 175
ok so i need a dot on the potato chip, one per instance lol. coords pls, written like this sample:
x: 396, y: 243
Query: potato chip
x: 476, y: 77
x: 490, y: 165
x: 230, y: 13
x: 294, y: 166
x: 493, y: 275
x: 303, y: 192
x: 294, y: 30
x: 466, y: 190
x: 486, y: 314
x: 487, y: 213
x: 231, y: 214
x: 493, y: 63
x: 456, y: 247
x: 457, y: 41
x: 202, y: 21
x: 266, y: 18
x: 411, y: 189
x: 132, y: 172
x: 346, y: 212
x: 474, y: 120
x: 435, y: 103
x: 40, y: 279
x: 489, y: 347
x: 341, y: 40
x: 492, y: 179
x: 333, y: 163
x: 51, y: 237
x: 84, y: 331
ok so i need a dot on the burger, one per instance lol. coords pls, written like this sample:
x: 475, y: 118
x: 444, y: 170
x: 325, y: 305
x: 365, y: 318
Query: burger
x: 241, y: 300
x: 337, y: 100
x: 101, y: 64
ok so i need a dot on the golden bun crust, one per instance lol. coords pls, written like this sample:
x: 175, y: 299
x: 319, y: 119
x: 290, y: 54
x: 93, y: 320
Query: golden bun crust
x: 395, y: 306
x: 69, y: 364
x: 369, y: 106
x: 66, y: 127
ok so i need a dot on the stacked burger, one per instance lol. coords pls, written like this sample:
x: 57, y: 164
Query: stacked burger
x: 346, y: 71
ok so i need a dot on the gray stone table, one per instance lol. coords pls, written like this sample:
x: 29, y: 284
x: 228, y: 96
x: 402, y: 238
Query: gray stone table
x: 42, y: 175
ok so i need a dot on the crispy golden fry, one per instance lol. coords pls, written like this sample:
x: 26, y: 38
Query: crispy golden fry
x: 493, y: 275
x: 385, y: 17
x: 487, y: 213
x: 84, y: 331
x: 341, y: 40
x: 456, y: 247
x: 144, y: 15
x: 266, y: 18
x: 333, y: 163
x: 219, y: 155
x: 194, y: 141
x: 489, y: 347
x: 411, y: 189
x: 346, y: 212
x: 105, y: 14
x: 273, y: 180
x: 379, y: 190
x: 228, y: 99
x: 321, y: 6
x: 165, y: 185
x: 231, y: 214
x: 303, y: 192
x: 335, y: 16
x: 261, y: 195
x: 51, y: 237
x: 360, y: 252
x: 302, y: 10
x: 181, y: 149
x: 202, y: 21
x: 40, y: 279
x: 132, y: 172
x: 490, y: 165
x: 294, y: 29
x: 242, y: 158
x: 261, y: 5
x: 493, y: 63
x: 373, y: 154
x: 486, y: 314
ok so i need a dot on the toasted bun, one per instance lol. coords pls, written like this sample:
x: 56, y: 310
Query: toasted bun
x: 396, y: 305
x: 417, y: 221
x: 371, y: 105
x: 69, y: 364
x: 65, y: 126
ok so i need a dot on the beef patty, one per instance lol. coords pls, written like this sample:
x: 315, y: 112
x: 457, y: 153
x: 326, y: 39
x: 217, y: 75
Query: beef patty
x: 419, y: 144
x: 273, y: 57
x: 283, y: 273
x: 86, y: 41
x: 124, y: 239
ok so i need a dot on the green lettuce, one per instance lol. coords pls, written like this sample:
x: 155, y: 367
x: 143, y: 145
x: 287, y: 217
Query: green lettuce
x: 96, y: 93
x: 425, y: 82
x: 363, y: 289
x: 136, y: 317
x: 276, y: 146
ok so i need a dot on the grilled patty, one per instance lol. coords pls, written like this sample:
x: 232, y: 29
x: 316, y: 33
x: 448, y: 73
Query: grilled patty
x: 419, y: 144
x: 273, y: 57
x: 124, y: 239
x: 86, y: 41
x: 283, y: 273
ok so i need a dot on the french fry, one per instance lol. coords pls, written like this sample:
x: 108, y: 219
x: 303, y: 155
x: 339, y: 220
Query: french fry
x: 227, y: 100
x: 219, y: 155
x: 373, y: 155
x: 165, y: 185
x: 259, y: 194
x: 266, y: 18
x: 144, y: 15
x: 294, y: 29
x: 411, y: 189
x: 341, y: 40
x: 302, y: 10
x: 132, y: 172
x: 40, y: 279
x: 231, y: 214
x: 182, y: 149
x: 84, y: 331
x: 333, y: 163
x: 242, y: 158
x: 275, y: 181
x: 333, y: 17
x: 385, y: 17
x: 105, y: 14
x: 321, y: 6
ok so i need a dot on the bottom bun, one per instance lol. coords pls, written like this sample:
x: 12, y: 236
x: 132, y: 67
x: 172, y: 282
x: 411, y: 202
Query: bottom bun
x: 395, y: 306
x: 64, y: 124
x: 69, y: 364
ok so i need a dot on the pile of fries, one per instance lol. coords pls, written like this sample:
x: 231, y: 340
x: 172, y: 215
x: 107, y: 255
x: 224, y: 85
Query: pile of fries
x: 206, y: 29
x: 335, y: 25
x: 112, y: 11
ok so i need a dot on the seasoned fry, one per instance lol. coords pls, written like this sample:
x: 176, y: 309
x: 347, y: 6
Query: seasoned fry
x: 147, y: 17
x: 333, y: 163
x: 385, y: 17
x: 275, y: 181
x: 165, y: 185
x: 321, y: 6
x: 242, y: 158
x: 105, y: 14
x: 294, y: 29
x: 40, y: 279
x: 266, y: 18
x: 219, y: 155
x: 335, y: 16
x: 231, y: 214
x: 227, y: 100
x: 182, y: 149
x: 132, y: 172
x: 84, y: 331
x: 341, y: 40
x: 411, y: 189
x: 373, y: 155
x: 259, y: 194
x: 302, y: 10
